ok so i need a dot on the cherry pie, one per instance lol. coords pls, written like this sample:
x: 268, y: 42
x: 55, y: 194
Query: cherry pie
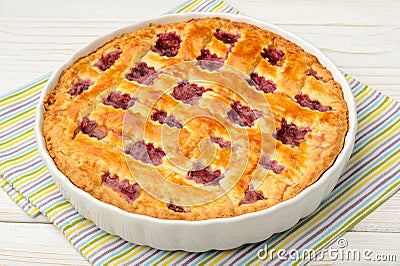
x: 162, y: 101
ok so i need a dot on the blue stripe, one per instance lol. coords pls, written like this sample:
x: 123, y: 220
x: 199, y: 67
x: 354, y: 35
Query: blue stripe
x: 16, y: 91
x: 356, y: 176
x: 371, y: 106
x: 353, y: 212
x: 17, y: 112
x: 38, y: 188
x: 387, y: 124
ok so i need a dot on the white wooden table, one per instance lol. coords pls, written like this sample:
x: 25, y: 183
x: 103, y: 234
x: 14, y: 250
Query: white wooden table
x: 362, y: 38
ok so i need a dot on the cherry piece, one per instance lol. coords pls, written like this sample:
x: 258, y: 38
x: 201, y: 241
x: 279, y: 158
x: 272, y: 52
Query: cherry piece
x: 142, y: 74
x: 188, y: 93
x: 226, y: 37
x: 205, y: 176
x: 261, y: 84
x: 274, y: 56
x: 251, y: 196
x: 221, y: 142
x: 89, y: 127
x: 305, y: 101
x: 209, y: 61
x: 242, y: 115
x: 128, y: 191
x: 106, y: 61
x: 167, y: 44
x: 267, y: 163
x: 145, y: 153
x: 118, y: 100
x: 80, y: 86
x: 290, y: 134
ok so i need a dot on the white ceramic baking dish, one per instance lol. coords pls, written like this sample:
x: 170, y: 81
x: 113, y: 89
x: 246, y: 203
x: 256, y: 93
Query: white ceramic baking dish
x: 221, y: 233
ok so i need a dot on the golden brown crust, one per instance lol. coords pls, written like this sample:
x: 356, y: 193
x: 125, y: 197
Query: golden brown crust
x: 85, y: 159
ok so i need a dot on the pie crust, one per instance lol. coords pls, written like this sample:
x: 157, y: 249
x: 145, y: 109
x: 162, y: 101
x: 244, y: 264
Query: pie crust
x: 86, y: 117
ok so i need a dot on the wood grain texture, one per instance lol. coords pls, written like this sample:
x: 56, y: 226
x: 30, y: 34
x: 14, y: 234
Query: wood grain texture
x: 362, y: 38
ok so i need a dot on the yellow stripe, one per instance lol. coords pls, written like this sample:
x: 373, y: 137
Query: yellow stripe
x: 20, y: 160
x: 76, y: 227
x: 29, y: 176
x: 17, y: 139
x: 58, y: 210
x: 41, y: 194
x: 129, y: 256
x: 18, y: 119
x: 217, y: 7
x: 349, y: 194
x: 21, y: 96
x: 377, y: 113
x: 366, y: 91
x: 220, y: 257
x: 377, y: 142
x: 188, y: 7
x: 176, y: 255
x: 105, y: 240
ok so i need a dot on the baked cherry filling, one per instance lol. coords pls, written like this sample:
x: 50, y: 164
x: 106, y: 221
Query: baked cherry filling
x: 145, y: 153
x: 221, y: 142
x: 274, y: 56
x: 290, y: 134
x: 188, y: 93
x: 129, y: 191
x: 305, y: 101
x: 267, y: 163
x: 106, y: 61
x: 89, y: 127
x: 119, y: 100
x: 142, y: 74
x: 312, y: 72
x: 176, y: 208
x: 80, y: 86
x: 163, y: 118
x: 226, y: 37
x: 205, y: 176
x: 167, y: 44
x: 251, y: 196
x: 209, y: 61
x: 243, y: 115
x: 261, y: 84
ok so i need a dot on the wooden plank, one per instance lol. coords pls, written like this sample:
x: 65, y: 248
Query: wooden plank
x: 43, y: 244
x: 36, y: 244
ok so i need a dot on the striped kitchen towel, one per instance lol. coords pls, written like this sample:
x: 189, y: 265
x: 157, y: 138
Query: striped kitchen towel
x: 371, y: 176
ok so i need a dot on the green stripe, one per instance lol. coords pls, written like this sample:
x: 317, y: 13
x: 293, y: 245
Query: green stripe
x: 215, y: 7
x: 121, y: 255
x: 103, y: 235
x: 69, y: 226
x: 4, y: 143
x: 169, y: 254
x: 21, y: 93
x: 209, y: 258
x: 361, y: 214
x: 373, y: 111
x: 63, y: 203
x: 188, y: 5
x: 329, y: 203
x: 361, y: 148
x: 360, y: 91
x: 19, y: 115
x: 320, y: 209
x: 42, y: 189
x: 16, y: 158
x: 28, y: 174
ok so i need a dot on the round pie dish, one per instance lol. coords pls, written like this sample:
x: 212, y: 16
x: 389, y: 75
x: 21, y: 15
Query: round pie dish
x: 198, y: 235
